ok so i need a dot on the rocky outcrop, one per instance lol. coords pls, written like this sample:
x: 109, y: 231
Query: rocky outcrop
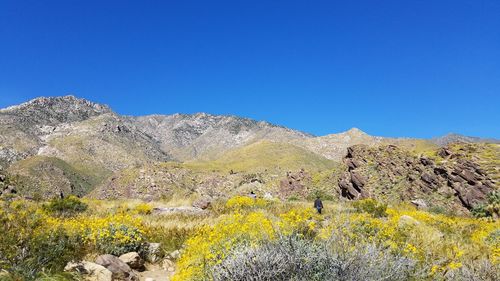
x: 6, y: 188
x: 390, y: 174
x: 294, y: 184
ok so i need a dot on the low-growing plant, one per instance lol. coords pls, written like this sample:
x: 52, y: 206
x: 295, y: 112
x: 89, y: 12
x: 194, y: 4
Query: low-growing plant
x: 170, y: 238
x: 371, y: 206
x: 143, y: 209
x: 296, y: 258
x: 489, y: 209
x: 245, y: 202
x: 68, y: 206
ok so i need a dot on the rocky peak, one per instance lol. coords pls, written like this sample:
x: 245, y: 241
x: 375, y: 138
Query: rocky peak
x: 54, y: 110
x: 452, y: 137
x: 355, y: 132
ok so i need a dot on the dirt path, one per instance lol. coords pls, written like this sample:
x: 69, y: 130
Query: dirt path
x: 155, y: 275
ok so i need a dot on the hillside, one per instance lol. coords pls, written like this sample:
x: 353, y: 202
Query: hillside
x: 262, y: 167
x: 206, y: 136
x: 68, y: 144
x: 454, y: 178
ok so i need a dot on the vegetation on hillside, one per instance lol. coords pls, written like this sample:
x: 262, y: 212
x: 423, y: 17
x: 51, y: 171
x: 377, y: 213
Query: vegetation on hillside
x: 361, y: 241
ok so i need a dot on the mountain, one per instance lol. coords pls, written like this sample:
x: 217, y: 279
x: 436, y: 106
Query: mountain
x: 451, y: 138
x: 83, y: 140
x: 71, y: 145
x: 206, y: 136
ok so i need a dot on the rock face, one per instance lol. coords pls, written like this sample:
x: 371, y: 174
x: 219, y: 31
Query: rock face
x: 120, y: 270
x: 294, y: 184
x: 391, y: 174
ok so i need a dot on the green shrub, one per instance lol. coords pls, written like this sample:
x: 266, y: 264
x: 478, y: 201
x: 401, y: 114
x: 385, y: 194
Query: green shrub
x: 120, y: 239
x: 65, y: 207
x: 489, y: 209
x: 371, y: 206
x: 28, y: 248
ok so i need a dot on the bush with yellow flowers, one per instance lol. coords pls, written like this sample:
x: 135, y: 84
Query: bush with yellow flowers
x: 212, y: 244
x: 245, y: 202
x: 426, y: 246
x: 112, y: 234
x: 143, y: 209
x: 29, y: 247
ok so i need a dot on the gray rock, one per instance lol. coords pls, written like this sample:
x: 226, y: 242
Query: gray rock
x: 420, y: 204
x: 175, y: 255
x: 93, y: 271
x: 202, y: 203
x: 119, y: 268
x: 406, y: 220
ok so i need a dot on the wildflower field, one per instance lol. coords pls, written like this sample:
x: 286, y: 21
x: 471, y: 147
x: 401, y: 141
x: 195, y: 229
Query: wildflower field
x: 246, y: 239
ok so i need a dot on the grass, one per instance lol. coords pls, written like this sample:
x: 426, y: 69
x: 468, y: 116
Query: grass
x: 51, y: 175
x: 266, y: 155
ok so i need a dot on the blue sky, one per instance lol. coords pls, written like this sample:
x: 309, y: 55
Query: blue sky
x: 390, y: 68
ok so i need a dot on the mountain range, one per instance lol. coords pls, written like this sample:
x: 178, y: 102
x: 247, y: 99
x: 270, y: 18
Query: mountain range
x: 71, y: 145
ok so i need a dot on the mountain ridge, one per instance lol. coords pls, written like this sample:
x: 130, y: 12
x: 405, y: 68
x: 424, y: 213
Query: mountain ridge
x: 72, y: 145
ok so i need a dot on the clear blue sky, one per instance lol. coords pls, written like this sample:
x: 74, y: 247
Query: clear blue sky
x: 390, y: 68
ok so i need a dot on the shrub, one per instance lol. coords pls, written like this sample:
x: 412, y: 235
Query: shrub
x: 28, y: 247
x: 112, y: 234
x: 245, y: 202
x: 295, y: 258
x: 489, y: 209
x: 483, y: 270
x: 371, y: 206
x: 65, y: 207
x: 143, y: 209
x: 210, y: 245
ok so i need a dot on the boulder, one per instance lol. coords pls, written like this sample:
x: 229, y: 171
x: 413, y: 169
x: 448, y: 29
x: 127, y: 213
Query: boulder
x: 469, y: 176
x: 133, y: 260
x: 120, y: 269
x: 420, y: 204
x: 406, y: 220
x: 444, y: 152
x: 202, y: 203
x: 93, y: 271
x: 188, y: 210
x: 429, y: 178
x: 426, y: 161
